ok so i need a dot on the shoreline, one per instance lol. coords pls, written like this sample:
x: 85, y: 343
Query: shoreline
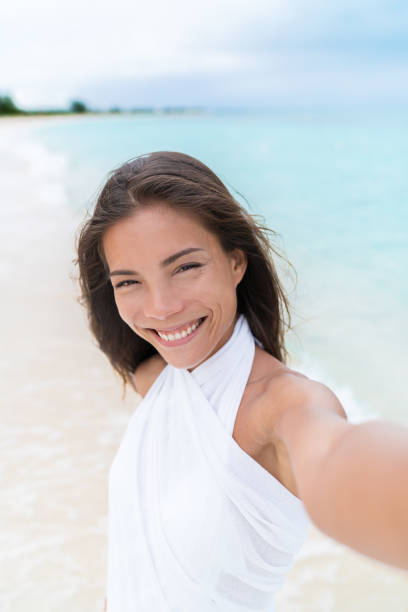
x: 63, y: 415
x: 63, y: 418
x: 148, y: 112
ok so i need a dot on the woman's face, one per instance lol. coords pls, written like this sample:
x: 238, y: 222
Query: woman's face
x: 171, y: 277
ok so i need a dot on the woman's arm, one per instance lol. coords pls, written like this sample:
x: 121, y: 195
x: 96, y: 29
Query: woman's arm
x: 352, y: 479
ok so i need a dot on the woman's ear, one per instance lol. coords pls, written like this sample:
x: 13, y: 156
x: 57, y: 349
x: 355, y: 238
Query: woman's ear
x: 239, y: 264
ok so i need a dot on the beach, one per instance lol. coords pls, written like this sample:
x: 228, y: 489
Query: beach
x: 63, y: 417
x: 62, y: 414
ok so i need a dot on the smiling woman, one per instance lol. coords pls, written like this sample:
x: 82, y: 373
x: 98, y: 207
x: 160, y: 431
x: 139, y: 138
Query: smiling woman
x: 230, y: 451
x: 149, y: 207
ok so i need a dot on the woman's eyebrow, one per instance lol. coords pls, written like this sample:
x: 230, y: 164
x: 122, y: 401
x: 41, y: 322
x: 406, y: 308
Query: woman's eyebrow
x: 175, y: 256
x: 165, y: 262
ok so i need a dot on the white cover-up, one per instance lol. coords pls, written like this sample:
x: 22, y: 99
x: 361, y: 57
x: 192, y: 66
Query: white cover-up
x: 195, y: 523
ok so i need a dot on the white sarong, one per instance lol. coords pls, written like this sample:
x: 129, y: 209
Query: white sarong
x: 195, y: 523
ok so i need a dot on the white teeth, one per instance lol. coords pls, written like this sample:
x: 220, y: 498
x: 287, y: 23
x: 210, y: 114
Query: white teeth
x: 179, y: 335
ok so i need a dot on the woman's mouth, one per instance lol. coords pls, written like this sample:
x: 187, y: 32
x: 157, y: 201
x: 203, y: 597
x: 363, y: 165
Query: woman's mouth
x: 179, y: 335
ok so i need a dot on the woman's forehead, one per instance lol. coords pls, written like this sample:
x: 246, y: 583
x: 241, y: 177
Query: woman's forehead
x: 157, y: 232
x: 157, y: 216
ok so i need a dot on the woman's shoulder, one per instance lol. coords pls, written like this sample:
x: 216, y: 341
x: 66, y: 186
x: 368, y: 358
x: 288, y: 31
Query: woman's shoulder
x: 146, y: 373
x: 287, y: 394
x: 298, y: 417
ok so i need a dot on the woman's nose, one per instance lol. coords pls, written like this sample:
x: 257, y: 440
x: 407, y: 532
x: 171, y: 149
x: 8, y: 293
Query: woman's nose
x: 161, y: 303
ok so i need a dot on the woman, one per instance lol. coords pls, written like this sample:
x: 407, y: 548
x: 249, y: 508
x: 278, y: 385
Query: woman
x: 230, y: 451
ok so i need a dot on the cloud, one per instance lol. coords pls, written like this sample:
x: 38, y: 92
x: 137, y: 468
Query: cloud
x: 233, y: 51
x: 291, y: 83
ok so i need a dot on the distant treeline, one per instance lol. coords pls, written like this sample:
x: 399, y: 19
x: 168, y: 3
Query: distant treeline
x: 8, y: 107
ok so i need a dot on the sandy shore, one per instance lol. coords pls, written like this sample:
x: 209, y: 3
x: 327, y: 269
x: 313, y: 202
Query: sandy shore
x: 63, y: 417
x: 62, y: 414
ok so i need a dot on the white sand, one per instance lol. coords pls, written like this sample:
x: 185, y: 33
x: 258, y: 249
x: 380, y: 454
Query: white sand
x: 62, y: 414
x: 62, y: 418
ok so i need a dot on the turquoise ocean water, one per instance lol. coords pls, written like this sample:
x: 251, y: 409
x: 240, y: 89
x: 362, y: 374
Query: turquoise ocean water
x: 334, y: 185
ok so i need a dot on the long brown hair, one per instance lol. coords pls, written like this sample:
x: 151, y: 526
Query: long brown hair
x: 186, y: 184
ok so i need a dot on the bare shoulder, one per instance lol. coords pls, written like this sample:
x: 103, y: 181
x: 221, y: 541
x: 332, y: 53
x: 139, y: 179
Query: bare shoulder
x: 289, y: 389
x: 289, y: 399
x: 301, y: 412
x: 147, y: 372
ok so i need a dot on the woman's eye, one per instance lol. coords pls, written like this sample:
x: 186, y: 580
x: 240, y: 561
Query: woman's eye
x: 188, y: 267
x: 125, y: 283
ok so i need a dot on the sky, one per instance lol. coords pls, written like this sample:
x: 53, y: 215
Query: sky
x: 223, y: 53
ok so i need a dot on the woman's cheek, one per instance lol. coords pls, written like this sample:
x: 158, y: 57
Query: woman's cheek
x: 127, y: 308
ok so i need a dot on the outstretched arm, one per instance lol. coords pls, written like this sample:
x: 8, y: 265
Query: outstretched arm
x: 352, y: 479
